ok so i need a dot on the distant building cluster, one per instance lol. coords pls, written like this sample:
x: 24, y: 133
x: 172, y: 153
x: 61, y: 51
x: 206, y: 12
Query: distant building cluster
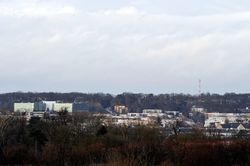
x: 221, y: 124
x: 38, y: 109
x: 227, y: 124
x: 147, y: 117
x: 118, y: 115
x: 224, y: 118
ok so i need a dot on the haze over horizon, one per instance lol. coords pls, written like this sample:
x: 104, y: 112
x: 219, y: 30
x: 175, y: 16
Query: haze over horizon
x: 146, y: 46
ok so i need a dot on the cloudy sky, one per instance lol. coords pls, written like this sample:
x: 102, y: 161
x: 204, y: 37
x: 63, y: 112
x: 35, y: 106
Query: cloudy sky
x: 150, y: 46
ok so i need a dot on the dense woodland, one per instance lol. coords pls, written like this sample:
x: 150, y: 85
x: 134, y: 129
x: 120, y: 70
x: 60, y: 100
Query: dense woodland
x: 136, y: 102
x: 83, y: 140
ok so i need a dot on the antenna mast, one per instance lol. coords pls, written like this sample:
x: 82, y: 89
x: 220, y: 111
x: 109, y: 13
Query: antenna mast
x: 199, y: 86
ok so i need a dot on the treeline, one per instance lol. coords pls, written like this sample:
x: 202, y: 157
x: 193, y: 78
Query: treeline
x: 230, y: 102
x: 84, y: 140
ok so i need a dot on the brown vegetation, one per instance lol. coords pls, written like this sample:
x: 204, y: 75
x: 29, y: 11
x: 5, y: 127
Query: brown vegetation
x: 84, y: 140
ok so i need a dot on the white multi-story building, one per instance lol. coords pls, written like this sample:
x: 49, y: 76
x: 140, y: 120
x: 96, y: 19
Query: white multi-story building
x: 121, y: 109
x: 49, y: 105
x: 42, y: 106
x: 23, y: 107
x: 63, y: 106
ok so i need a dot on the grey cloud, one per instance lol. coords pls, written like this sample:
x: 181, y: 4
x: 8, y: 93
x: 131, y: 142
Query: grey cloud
x: 124, y: 48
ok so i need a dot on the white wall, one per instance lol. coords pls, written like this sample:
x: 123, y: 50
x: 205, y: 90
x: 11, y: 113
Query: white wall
x: 61, y: 106
x: 23, y: 107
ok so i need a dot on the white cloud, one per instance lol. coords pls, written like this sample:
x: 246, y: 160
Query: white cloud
x: 37, y: 11
x: 123, y: 11
x: 126, y: 11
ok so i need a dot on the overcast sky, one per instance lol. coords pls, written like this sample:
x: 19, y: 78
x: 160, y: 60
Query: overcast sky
x: 149, y: 46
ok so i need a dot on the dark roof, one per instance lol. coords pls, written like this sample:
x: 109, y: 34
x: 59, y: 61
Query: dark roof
x: 212, y: 125
x: 81, y: 107
x: 230, y: 125
x: 186, y: 130
x: 247, y: 125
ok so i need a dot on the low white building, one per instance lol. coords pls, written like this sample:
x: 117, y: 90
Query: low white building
x: 128, y: 120
x: 198, y: 109
x: 152, y: 111
x: 173, y: 113
x: 223, y: 118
